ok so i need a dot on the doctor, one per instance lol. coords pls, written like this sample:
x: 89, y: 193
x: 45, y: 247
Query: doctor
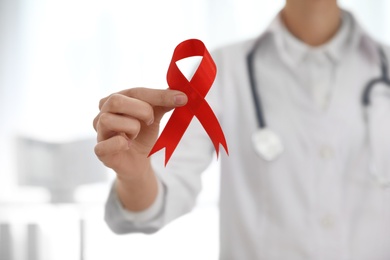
x: 324, y: 192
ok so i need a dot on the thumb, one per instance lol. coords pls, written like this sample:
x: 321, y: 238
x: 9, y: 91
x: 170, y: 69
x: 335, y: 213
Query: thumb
x: 179, y: 100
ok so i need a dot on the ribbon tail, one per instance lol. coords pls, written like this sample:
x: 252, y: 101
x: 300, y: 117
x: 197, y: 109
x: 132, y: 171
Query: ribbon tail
x: 211, y: 125
x: 172, y: 133
x: 160, y: 144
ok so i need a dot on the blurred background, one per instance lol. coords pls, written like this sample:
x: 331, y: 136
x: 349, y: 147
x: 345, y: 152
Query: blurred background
x: 57, y: 59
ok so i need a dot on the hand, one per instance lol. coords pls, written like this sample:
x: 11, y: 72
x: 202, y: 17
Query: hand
x: 127, y: 127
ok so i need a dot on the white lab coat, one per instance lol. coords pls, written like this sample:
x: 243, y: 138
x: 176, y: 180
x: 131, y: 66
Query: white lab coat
x: 317, y: 201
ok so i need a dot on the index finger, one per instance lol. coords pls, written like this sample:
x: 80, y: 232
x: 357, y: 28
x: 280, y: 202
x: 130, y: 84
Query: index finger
x: 155, y: 97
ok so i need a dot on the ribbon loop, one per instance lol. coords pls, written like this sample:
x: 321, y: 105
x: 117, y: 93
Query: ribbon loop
x: 196, y: 89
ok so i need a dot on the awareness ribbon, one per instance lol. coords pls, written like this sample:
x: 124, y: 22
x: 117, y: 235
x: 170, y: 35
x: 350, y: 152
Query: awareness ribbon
x: 196, y: 90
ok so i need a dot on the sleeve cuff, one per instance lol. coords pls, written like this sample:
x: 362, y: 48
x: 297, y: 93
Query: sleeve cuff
x: 141, y: 216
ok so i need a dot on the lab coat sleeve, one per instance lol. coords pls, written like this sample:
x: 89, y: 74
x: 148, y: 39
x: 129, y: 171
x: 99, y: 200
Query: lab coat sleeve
x: 179, y: 185
x: 119, y: 219
x: 180, y: 182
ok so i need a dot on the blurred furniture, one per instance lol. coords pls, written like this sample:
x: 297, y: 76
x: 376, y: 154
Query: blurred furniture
x: 58, y: 166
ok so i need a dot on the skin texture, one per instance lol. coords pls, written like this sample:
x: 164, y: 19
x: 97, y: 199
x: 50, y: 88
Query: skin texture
x: 128, y: 122
x: 312, y: 21
x: 127, y: 128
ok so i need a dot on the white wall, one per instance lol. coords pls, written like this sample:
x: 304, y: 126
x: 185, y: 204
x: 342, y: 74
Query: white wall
x: 58, y: 58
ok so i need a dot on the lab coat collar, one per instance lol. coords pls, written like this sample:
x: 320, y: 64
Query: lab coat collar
x: 293, y: 50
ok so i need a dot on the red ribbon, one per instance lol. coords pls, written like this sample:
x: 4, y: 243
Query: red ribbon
x: 196, y: 90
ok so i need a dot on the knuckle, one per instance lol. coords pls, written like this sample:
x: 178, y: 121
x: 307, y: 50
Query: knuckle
x: 104, y: 119
x: 101, y: 102
x: 147, y: 113
x: 134, y: 92
x: 99, y: 151
x: 115, y: 101
x: 95, y: 122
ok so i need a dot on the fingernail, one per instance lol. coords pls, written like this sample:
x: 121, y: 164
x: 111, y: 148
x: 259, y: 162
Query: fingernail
x: 150, y: 122
x: 180, y: 99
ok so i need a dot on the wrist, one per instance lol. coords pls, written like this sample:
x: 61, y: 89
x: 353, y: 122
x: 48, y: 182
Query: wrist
x: 135, y: 172
x: 137, y: 193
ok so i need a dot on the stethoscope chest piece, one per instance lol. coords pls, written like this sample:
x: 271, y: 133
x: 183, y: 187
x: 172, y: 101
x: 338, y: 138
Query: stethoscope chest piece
x: 267, y: 144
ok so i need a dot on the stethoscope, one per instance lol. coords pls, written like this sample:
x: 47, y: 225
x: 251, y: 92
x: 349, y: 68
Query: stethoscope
x: 268, y: 145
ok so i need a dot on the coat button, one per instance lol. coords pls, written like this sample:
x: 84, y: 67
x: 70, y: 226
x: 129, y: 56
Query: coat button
x: 326, y: 152
x: 327, y: 221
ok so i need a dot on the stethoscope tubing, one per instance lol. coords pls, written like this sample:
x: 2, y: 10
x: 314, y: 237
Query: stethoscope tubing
x: 273, y: 141
x: 261, y: 122
x: 384, y: 78
x: 255, y: 95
